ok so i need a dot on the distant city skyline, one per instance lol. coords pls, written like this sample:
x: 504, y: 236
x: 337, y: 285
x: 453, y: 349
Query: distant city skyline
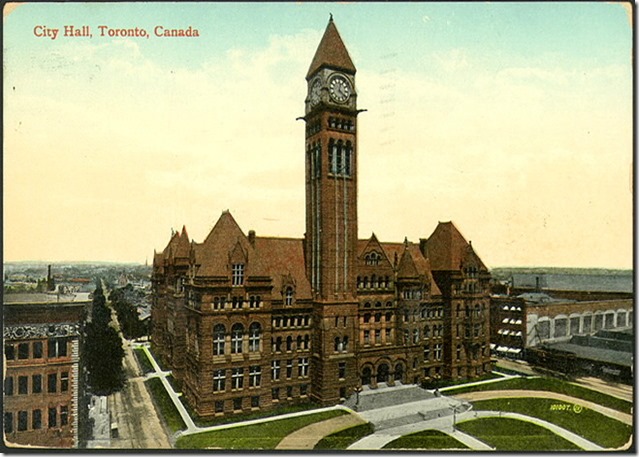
x: 513, y: 120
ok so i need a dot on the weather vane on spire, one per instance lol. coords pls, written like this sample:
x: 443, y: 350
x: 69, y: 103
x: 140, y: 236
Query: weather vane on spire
x: 330, y: 19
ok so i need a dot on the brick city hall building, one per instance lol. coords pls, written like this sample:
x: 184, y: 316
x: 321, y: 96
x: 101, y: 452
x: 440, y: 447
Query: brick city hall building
x: 248, y: 322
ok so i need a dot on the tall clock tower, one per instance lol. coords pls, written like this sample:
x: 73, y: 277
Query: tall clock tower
x: 331, y: 216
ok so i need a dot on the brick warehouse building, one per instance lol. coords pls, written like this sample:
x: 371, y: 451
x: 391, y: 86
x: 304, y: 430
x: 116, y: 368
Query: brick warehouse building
x: 248, y: 322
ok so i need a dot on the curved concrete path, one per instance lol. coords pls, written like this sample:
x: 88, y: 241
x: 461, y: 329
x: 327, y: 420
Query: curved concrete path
x: 491, y: 394
x: 307, y: 437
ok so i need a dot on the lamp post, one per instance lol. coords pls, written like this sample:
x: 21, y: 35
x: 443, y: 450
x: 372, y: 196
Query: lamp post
x: 358, y: 389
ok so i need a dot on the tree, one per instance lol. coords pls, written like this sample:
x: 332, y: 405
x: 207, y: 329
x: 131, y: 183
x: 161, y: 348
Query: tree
x: 103, y: 349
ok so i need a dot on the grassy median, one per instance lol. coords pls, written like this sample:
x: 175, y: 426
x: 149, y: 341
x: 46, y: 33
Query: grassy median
x: 163, y: 401
x: 426, y: 439
x: 344, y: 438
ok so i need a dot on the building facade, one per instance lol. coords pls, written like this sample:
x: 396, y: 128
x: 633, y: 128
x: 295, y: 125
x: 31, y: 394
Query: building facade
x: 42, y: 382
x: 248, y: 322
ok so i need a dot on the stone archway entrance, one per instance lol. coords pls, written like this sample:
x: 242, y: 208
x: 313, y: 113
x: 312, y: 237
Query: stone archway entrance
x: 399, y: 373
x: 366, y: 376
x: 382, y: 373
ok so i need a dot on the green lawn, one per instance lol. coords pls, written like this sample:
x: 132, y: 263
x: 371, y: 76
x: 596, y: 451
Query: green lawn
x: 589, y: 424
x: 164, y: 403
x: 505, y: 434
x: 260, y: 436
x: 143, y: 360
x: 427, y: 439
x: 552, y: 385
x: 344, y: 438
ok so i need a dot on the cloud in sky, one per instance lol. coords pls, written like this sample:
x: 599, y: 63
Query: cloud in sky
x: 108, y: 147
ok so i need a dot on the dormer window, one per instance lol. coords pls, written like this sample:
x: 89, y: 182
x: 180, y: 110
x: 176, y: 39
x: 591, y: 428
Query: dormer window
x: 372, y: 258
x: 288, y: 296
x: 238, y: 274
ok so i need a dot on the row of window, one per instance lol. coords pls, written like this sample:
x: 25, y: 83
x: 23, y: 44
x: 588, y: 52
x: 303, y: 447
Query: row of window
x: 237, y: 302
x: 372, y: 259
x: 341, y: 124
x: 53, y: 385
x: 425, y: 312
x: 564, y: 326
x: 237, y: 403
x: 56, y: 347
x: 375, y: 282
x: 300, y: 343
x: 291, y: 321
x: 58, y: 416
x: 377, y: 334
x: 237, y: 377
x: 378, y: 304
x: 236, y: 340
x: 340, y: 157
x: 468, y: 311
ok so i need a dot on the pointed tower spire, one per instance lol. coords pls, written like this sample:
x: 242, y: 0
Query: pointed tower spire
x: 331, y: 52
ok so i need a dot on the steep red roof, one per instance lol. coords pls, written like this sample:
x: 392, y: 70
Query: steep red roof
x: 446, y: 248
x: 183, y: 245
x: 284, y: 257
x: 213, y: 255
x: 331, y: 52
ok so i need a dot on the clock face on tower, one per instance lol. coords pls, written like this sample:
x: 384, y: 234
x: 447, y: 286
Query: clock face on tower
x: 340, y: 88
x: 314, y: 94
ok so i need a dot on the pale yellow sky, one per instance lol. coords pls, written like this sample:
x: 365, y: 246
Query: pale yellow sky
x: 525, y: 144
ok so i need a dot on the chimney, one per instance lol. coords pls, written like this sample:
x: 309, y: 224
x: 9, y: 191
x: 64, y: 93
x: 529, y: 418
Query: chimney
x: 251, y: 237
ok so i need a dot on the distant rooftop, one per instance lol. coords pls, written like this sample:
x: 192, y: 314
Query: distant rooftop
x: 542, y: 298
x: 37, y: 298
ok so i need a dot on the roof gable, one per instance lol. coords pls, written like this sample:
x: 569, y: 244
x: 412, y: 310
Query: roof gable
x: 448, y: 250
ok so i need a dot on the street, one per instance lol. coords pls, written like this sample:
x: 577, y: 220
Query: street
x: 132, y: 409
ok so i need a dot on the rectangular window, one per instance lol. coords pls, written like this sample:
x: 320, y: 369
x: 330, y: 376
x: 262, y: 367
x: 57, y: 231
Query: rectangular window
x: 23, y: 420
x: 57, y: 347
x: 36, y: 419
x: 303, y: 390
x: 52, y: 383
x: 64, y: 415
x: 23, y: 353
x: 238, y: 274
x: 289, y: 392
x: 8, y: 422
x: 37, y: 350
x: 367, y: 337
x: 237, y: 404
x: 255, y: 402
x: 219, y: 380
x: 438, y: 351
x: 302, y: 367
x: 255, y: 376
x: 64, y: 381
x: 8, y: 386
x: 426, y: 353
x: 342, y: 393
x: 36, y: 384
x: 342, y: 370
x: 275, y: 393
x: 238, y: 378
x: 23, y: 385
x: 275, y: 370
x: 10, y: 351
x: 53, y: 417
x: 219, y: 406
x: 289, y: 368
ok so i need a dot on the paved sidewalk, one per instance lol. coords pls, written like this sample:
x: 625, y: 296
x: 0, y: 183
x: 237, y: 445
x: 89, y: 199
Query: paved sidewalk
x: 490, y: 394
x: 306, y: 438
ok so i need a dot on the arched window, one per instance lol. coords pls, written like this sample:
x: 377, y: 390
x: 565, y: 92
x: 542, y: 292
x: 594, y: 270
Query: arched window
x: 374, y: 283
x: 255, y: 331
x: 367, y: 318
x: 278, y: 344
x: 427, y: 331
x: 218, y: 339
x: 298, y: 346
x: 399, y: 372
x: 345, y: 344
x: 338, y: 344
x: 307, y: 340
x: 366, y: 284
x: 347, y: 158
x: 339, y: 166
x: 289, y: 296
x: 237, y: 332
x: 289, y: 343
